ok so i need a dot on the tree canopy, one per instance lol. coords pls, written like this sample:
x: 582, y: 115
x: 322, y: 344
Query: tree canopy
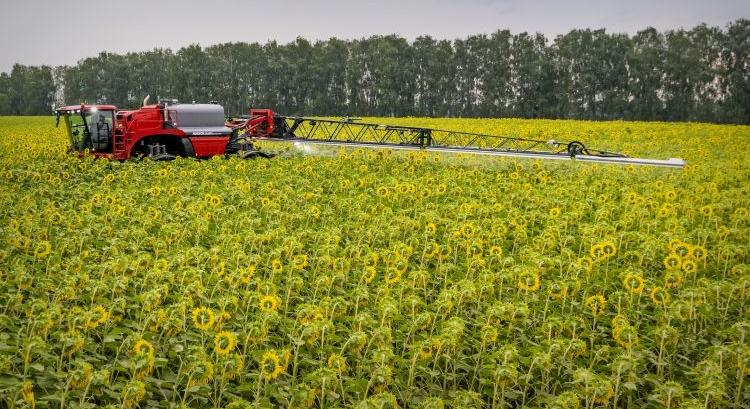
x: 701, y: 74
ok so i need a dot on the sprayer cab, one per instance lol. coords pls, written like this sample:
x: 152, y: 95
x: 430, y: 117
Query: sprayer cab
x: 89, y: 127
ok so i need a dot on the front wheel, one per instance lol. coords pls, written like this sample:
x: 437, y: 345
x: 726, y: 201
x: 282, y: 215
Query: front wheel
x: 256, y: 154
x: 165, y: 157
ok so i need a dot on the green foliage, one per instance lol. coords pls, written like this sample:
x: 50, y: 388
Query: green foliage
x: 376, y: 279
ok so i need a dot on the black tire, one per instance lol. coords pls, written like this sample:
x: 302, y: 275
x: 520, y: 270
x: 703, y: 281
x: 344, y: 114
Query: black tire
x: 577, y: 148
x: 163, y: 158
x: 256, y: 154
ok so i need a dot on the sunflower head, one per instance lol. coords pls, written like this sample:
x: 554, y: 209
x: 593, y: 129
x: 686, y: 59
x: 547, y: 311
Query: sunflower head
x: 596, y: 304
x: 203, y: 318
x: 659, y: 296
x: 269, y: 303
x: 633, y: 282
x: 528, y: 281
x: 270, y: 365
x: 143, y: 348
x: 224, y: 343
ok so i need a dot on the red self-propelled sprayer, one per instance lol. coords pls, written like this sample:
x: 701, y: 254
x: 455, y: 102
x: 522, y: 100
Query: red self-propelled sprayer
x: 168, y: 129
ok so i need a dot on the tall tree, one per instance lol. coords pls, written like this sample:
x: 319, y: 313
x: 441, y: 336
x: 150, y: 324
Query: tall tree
x: 736, y: 81
x: 191, y: 74
x: 645, y: 61
x: 5, y: 94
x: 701, y: 74
x: 31, y: 90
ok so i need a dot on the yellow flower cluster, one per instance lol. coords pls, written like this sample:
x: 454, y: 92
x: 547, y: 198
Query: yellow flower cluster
x: 378, y: 278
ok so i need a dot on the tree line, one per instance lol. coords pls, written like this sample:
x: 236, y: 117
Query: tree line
x: 701, y: 74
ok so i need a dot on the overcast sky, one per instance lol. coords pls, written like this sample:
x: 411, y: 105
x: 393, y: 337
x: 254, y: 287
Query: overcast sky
x: 57, y: 32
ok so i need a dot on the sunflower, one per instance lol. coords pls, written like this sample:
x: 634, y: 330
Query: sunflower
x: 247, y: 273
x: 371, y: 259
x: 475, y: 248
x: 27, y: 392
x: 132, y: 393
x: 393, y: 275
x: 467, y: 230
x: 382, y: 191
x: 81, y: 376
x: 269, y: 303
x: 528, y: 281
x: 201, y: 372
x: 634, y: 283
x: 42, y: 249
x: 221, y: 318
x: 72, y: 342
x: 659, y: 296
x: 203, y: 318
x: 220, y: 269
x: 56, y: 218
x: 682, y: 249
x: 424, y: 351
x: 97, y: 316
x: 554, y: 212
x: 488, y: 334
x: 698, y: 253
x: 369, y: 274
x: 224, y: 343
x: 632, y: 197
x: 299, y: 262
x: 597, y: 251
x: 444, y: 253
x: 586, y: 264
x: 277, y: 266
x: 604, y: 392
x: 609, y: 248
x: 689, y: 266
x: 557, y: 290
x: 596, y: 304
x: 430, y: 229
x: 625, y: 335
x: 143, y: 349
x: 270, y: 365
x: 619, y: 320
x: 337, y: 363
x: 233, y: 366
x: 673, y: 278
x: 673, y: 262
x: 673, y: 243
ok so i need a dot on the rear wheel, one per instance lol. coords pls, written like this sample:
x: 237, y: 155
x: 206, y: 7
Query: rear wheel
x: 158, y: 148
x: 158, y: 153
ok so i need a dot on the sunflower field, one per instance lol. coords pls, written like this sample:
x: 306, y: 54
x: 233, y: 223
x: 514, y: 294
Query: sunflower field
x: 375, y: 279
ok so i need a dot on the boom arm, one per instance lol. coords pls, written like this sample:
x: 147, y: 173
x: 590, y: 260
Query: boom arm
x: 350, y: 132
